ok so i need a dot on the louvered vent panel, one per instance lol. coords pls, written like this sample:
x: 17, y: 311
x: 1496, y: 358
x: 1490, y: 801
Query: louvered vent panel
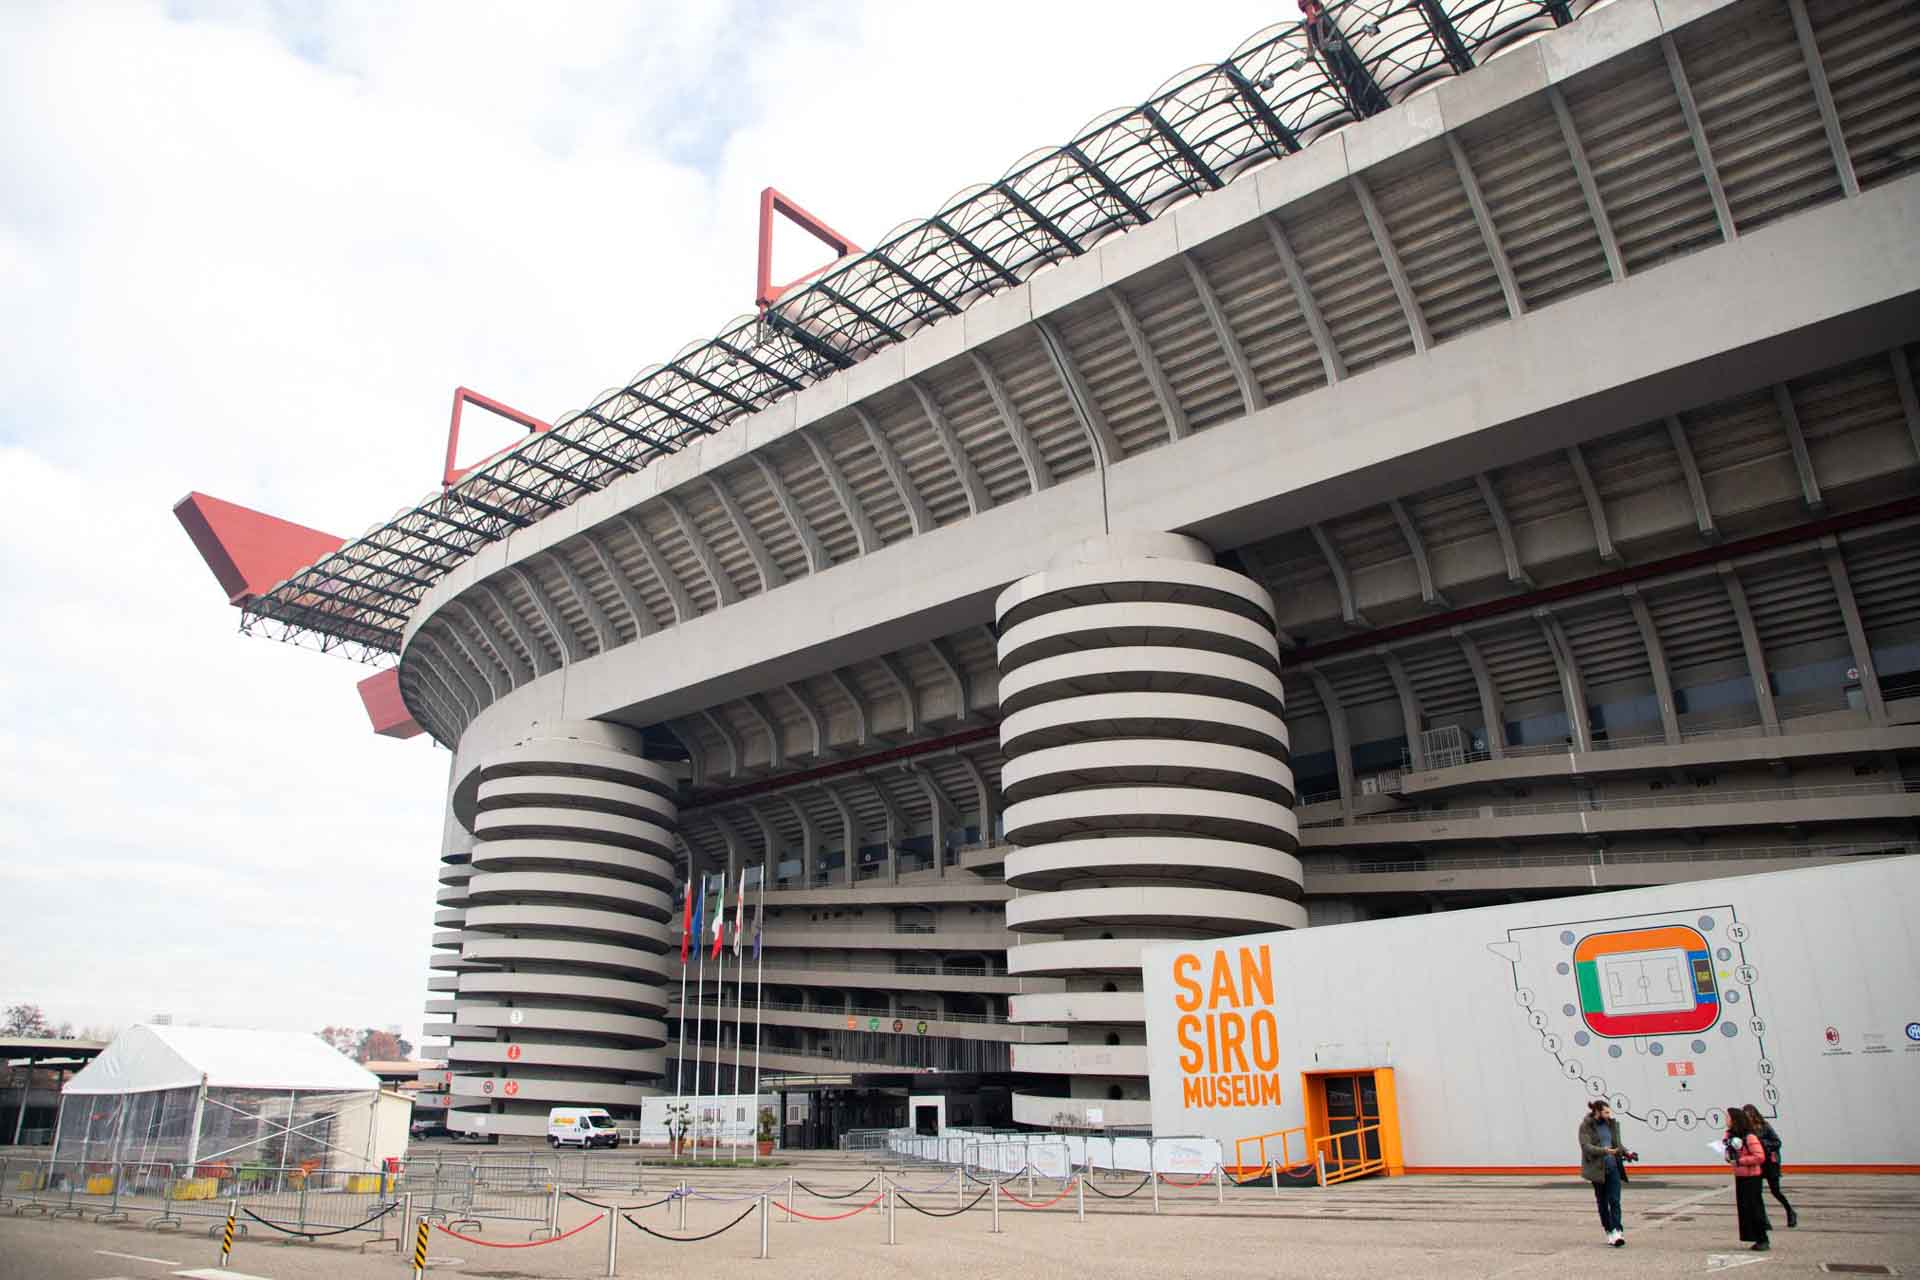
x: 679, y: 557
x: 1442, y: 680
x: 1263, y: 310
x: 1852, y: 400
x: 1539, y: 489
x: 1519, y: 663
x: 1440, y: 246
x: 1792, y: 602
x: 1632, y: 462
x: 587, y: 571
x: 1450, y: 516
x: 1360, y: 682
x: 922, y: 454
x: 1533, y: 194
x: 1886, y: 586
x: 1348, y: 281
x: 482, y: 604
x: 969, y: 409
x: 1303, y: 699
x: 750, y: 491
x: 1758, y: 109
x: 1034, y: 387
x: 724, y: 540
x: 1106, y: 360
x: 848, y: 444
x: 1367, y: 538
x: 1696, y: 625
x: 1629, y: 120
x: 1169, y: 310
x: 1734, y: 436
x: 1870, y: 52
x: 1606, y: 645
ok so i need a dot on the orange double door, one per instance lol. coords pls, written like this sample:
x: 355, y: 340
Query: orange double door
x: 1353, y: 1121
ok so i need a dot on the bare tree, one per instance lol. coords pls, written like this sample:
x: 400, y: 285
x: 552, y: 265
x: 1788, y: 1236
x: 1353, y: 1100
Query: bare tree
x: 345, y: 1039
x: 26, y: 1020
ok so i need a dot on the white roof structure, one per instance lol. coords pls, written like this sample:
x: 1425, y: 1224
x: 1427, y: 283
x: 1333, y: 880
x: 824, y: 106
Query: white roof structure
x: 146, y: 1058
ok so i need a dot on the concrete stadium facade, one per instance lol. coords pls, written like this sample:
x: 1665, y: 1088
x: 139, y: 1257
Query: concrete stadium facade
x: 1510, y: 494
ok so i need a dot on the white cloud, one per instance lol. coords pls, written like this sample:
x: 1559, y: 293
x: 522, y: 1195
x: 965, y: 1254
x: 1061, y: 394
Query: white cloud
x: 250, y: 249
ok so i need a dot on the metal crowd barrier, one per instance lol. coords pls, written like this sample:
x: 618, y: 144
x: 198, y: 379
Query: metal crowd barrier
x: 300, y: 1200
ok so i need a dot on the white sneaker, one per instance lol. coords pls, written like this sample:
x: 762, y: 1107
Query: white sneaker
x: 1613, y: 1237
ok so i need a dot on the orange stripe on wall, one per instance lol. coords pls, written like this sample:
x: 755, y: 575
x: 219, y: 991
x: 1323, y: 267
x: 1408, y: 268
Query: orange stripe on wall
x: 1573, y: 1170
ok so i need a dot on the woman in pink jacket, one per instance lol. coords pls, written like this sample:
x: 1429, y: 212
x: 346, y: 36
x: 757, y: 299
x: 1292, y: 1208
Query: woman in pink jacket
x: 1749, y: 1160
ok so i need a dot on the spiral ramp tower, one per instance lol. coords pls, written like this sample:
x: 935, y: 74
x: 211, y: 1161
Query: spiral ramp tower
x: 1147, y: 787
x: 564, y: 929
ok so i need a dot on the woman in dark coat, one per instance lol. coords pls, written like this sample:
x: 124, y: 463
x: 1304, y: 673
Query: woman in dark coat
x: 1770, y: 1143
x: 1749, y: 1158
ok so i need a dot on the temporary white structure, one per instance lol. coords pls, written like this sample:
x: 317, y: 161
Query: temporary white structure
x: 198, y: 1095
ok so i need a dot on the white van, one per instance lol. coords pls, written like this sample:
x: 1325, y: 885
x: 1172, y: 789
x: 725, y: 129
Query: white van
x: 581, y: 1127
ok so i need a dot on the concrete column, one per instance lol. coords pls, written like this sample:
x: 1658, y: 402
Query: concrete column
x: 1491, y: 708
x: 1112, y: 853
x: 1856, y: 630
x: 1657, y: 664
x: 568, y: 927
x: 1342, y: 746
x: 1750, y: 643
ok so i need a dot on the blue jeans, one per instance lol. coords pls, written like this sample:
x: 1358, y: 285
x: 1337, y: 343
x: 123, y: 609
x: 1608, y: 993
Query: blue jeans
x: 1606, y: 1195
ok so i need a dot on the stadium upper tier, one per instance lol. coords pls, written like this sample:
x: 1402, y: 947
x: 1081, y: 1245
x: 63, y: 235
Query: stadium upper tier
x: 1283, y: 90
x: 1606, y: 231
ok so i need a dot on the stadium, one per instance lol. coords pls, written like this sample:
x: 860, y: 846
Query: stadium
x: 1449, y: 453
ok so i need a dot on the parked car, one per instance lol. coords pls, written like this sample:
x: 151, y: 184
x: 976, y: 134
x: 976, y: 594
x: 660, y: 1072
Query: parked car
x: 430, y: 1129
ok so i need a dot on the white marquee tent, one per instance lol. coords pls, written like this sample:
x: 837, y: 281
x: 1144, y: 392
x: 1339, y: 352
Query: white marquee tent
x: 200, y: 1095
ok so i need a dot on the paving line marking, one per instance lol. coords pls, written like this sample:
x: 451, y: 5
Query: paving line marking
x: 214, y: 1273
x: 1666, y: 1209
x: 138, y: 1257
x: 1728, y: 1261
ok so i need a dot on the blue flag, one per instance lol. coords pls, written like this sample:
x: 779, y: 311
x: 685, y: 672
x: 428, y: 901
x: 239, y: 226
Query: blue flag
x: 699, y: 913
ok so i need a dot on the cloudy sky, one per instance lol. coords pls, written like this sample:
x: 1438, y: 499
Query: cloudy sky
x: 250, y: 249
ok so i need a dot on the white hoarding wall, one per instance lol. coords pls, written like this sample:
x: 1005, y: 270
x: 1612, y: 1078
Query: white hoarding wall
x: 1797, y: 991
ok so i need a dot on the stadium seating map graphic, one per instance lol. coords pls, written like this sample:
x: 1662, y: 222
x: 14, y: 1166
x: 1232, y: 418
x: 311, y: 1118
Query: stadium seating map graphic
x: 1659, y: 1014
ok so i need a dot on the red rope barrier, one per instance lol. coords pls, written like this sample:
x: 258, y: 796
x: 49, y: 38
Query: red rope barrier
x: 833, y: 1217
x: 531, y: 1244
x: 1044, y: 1204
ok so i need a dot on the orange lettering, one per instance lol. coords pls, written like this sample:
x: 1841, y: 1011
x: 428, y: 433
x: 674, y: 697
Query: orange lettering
x: 1222, y: 983
x: 1233, y: 1034
x: 1266, y: 1047
x: 1213, y: 1045
x: 1184, y: 1029
x: 1189, y: 997
x: 1257, y: 975
x: 1191, y: 1091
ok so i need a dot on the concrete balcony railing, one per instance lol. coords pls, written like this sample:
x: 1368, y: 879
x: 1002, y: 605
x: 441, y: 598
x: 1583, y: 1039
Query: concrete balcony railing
x: 1342, y: 877
x: 838, y: 1017
x: 1694, y: 807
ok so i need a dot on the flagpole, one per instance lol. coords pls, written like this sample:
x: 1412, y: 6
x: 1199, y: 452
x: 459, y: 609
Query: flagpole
x: 719, y: 1010
x: 680, y: 1073
x: 700, y: 1001
x: 739, y: 995
x: 759, y: 969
